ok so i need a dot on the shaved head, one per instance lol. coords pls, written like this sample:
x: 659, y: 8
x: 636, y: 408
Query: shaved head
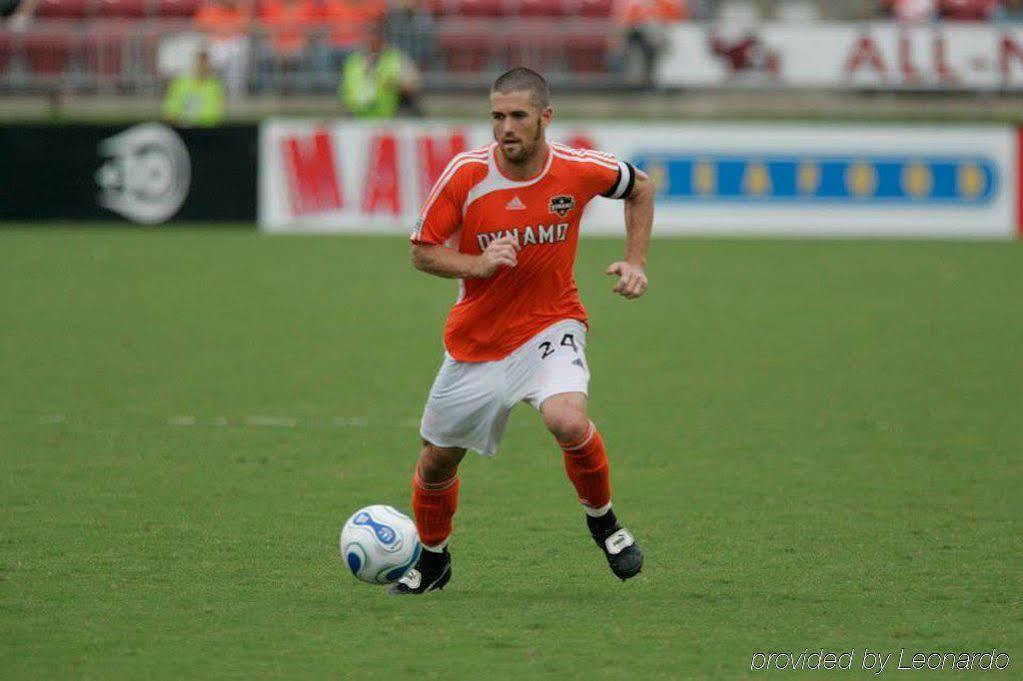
x: 522, y: 79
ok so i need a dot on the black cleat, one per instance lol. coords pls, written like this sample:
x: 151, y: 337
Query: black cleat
x: 623, y: 554
x: 431, y: 572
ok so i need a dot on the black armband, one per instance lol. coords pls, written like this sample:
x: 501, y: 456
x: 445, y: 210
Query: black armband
x: 625, y: 182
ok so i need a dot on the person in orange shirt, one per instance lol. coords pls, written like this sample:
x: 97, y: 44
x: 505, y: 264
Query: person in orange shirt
x: 287, y: 22
x: 348, y: 24
x: 283, y: 57
x: 225, y: 23
x: 643, y: 38
x: 504, y: 220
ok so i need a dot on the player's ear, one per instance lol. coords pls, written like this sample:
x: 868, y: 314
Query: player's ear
x: 546, y: 115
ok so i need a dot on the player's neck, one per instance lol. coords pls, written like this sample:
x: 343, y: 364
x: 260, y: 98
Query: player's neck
x: 527, y: 168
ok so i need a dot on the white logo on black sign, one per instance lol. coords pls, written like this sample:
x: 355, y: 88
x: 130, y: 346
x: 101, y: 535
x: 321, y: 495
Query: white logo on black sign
x: 146, y: 174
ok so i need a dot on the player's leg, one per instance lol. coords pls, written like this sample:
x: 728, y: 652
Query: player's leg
x: 434, y: 502
x: 435, y: 494
x: 566, y: 417
x: 466, y: 410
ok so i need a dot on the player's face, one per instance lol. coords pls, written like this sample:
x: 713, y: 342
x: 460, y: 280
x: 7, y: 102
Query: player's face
x: 519, y: 124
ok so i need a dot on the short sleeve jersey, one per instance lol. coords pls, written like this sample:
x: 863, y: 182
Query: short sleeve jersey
x: 474, y: 203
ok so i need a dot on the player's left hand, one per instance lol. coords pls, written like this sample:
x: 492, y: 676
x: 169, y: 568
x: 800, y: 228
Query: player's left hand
x: 632, y: 281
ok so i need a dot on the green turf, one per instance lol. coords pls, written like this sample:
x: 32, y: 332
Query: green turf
x: 818, y: 444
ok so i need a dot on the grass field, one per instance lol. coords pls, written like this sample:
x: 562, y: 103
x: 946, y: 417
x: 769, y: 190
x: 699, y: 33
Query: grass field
x: 818, y: 444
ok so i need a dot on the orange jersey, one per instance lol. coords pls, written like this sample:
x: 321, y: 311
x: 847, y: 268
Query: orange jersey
x: 474, y: 203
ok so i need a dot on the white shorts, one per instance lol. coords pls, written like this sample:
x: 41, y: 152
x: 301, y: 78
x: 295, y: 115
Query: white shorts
x: 470, y: 402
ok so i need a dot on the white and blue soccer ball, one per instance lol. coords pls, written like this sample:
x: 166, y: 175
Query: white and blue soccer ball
x: 379, y: 544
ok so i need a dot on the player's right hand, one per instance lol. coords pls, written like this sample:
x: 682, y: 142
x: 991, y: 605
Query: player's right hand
x: 499, y: 252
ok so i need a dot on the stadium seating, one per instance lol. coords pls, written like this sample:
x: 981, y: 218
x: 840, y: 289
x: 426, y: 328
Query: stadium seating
x: 122, y: 8
x: 49, y: 55
x: 176, y: 8
x: 100, y: 9
x: 587, y: 54
x: 64, y: 9
x: 479, y: 8
x: 594, y: 9
x: 6, y: 51
x: 591, y: 9
x: 107, y: 51
x: 112, y: 43
x: 437, y: 8
x: 461, y: 53
x: 541, y: 51
x: 543, y: 8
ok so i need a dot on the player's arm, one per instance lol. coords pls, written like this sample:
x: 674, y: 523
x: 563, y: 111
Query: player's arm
x: 639, y: 222
x: 441, y: 218
x: 443, y: 261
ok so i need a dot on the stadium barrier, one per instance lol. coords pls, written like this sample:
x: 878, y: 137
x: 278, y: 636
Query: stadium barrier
x: 873, y: 56
x: 742, y: 179
x: 147, y: 173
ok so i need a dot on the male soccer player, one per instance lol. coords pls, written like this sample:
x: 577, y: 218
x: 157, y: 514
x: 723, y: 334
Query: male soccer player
x: 504, y: 220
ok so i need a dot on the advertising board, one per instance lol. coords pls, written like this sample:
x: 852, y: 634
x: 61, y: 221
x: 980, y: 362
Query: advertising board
x: 147, y: 173
x: 882, y: 55
x: 769, y: 179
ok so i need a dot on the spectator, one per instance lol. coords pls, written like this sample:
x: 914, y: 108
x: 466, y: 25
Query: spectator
x: 968, y: 10
x: 225, y: 24
x: 643, y: 37
x: 1010, y: 11
x: 411, y: 30
x: 912, y: 11
x: 282, y: 56
x: 348, y: 23
x: 379, y: 81
x: 195, y: 99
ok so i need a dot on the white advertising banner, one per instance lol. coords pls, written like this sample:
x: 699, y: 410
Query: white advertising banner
x: 767, y: 179
x: 836, y: 55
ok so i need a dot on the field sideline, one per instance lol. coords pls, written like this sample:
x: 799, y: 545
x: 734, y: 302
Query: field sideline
x: 817, y: 443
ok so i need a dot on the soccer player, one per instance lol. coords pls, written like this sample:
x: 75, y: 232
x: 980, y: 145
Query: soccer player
x: 504, y: 220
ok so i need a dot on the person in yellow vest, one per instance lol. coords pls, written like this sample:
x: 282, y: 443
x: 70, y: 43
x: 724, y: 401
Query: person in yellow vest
x: 195, y: 99
x: 379, y: 81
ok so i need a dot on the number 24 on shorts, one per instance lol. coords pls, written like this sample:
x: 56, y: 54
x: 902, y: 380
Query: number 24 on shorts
x: 566, y: 340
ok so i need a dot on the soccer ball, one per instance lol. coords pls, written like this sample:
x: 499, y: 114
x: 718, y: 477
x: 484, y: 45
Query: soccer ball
x: 379, y: 544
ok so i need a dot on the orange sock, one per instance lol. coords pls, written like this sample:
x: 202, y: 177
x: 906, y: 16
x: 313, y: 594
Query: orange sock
x: 587, y: 468
x: 434, y: 505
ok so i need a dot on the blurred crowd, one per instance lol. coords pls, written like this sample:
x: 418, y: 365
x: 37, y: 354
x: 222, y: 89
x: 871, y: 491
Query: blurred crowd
x: 354, y: 14
x: 303, y: 45
x: 372, y: 53
x: 377, y: 48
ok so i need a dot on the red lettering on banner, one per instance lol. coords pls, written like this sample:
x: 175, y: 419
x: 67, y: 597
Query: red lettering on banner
x: 909, y: 71
x: 313, y: 185
x: 1010, y: 48
x: 580, y: 140
x: 434, y: 155
x: 382, y: 190
x: 865, y: 52
x: 945, y: 72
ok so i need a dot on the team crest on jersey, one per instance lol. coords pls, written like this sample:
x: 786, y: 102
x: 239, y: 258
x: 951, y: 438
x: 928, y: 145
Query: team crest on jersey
x: 562, y: 204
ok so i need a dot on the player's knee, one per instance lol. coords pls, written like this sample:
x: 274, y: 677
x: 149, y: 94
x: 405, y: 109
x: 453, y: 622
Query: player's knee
x: 568, y: 425
x: 439, y: 463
